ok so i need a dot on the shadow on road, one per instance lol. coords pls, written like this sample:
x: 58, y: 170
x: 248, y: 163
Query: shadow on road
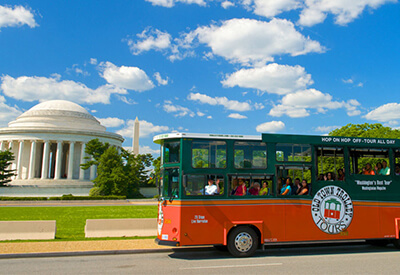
x: 284, y: 251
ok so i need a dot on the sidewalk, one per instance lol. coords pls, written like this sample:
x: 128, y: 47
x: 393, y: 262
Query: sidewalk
x: 27, y: 249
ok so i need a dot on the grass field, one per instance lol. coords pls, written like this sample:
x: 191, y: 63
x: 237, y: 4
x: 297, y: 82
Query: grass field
x: 71, y: 220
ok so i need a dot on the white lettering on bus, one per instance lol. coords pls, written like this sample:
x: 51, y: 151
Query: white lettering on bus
x: 358, y: 140
x: 373, y: 185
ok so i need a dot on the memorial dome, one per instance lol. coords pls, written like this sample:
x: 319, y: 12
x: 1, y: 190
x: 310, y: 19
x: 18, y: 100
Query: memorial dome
x: 59, y: 114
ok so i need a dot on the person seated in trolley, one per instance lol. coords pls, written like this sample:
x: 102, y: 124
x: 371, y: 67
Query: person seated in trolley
x: 287, y: 188
x: 385, y: 169
x: 304, y: 189
x: 368, y: 170
x: 241, y: 190
x: 234, y: 186
x: 340, y: 174
x: 397, y: 169
x: 264, y: 190
x: 254, y: 189
x: 211, y: 188
x: 329, y: 176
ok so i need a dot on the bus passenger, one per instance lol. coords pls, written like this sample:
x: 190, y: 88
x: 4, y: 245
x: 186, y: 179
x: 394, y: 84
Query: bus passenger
x: 279, y: 183
x: 329, y: 176
x: 296, y: 186
x: 241, y: 190
x: 378, y: 168
x: 234, y: 186
x: 340, y: 174
x: 211, y: 188
x: 304, y: 188
x: 385, y: 170
x: 321, y: 177
x: 368, y: 170
x: 254, y: 189
x: 397, y: 169
x: 264, y: 190
x: 287, y: 189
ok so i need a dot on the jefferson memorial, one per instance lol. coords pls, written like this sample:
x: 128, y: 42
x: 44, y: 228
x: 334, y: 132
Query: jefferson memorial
x: 48, y: 142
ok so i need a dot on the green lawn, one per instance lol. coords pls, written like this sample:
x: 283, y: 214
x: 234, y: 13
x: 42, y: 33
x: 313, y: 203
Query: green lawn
x: 71, y: 220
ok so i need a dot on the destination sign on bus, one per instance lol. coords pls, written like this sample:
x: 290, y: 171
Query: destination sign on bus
x: 368, y: 141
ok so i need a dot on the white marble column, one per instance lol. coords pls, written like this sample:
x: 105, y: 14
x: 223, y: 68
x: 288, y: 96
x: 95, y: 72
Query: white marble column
x: 57, y: 172
x: 45, y: 163
x: 32, y: 159
x: 2, y: 145
x: 71, y: 160
x: 19, y: 160
x: 81, y: 171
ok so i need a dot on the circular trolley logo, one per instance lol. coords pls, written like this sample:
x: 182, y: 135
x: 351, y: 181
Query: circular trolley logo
x: 332, y: 209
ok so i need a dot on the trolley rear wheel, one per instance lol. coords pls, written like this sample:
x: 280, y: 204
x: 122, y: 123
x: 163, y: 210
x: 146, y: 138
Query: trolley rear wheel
x: 242, y: 241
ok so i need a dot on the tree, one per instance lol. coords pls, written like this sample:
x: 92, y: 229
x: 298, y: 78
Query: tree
x: 156, y: 172
x: 94, y: 149
x: 118, y: 173
x: 111, y: 179
x: 366, y: 130
x: 6, y: 157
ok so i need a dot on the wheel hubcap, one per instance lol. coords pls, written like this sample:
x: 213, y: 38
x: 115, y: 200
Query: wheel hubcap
x: 243, y: 242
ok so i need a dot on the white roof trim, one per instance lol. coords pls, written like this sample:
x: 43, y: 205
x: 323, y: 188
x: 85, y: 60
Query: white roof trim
x: 158, y: 138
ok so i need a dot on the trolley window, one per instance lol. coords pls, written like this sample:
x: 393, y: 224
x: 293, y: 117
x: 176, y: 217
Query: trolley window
x: 250, y: 155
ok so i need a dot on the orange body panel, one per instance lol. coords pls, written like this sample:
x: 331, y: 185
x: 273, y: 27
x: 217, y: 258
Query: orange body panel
x: 278, y: 220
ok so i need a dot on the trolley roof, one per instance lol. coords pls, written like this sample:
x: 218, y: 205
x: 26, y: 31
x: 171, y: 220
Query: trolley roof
x: 157, y: 139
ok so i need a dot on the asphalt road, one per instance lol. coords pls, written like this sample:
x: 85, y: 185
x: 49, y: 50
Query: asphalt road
x: 344, y: 259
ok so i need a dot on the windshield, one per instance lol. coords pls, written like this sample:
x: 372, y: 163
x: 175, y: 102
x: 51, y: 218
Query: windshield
x: 169, y: 183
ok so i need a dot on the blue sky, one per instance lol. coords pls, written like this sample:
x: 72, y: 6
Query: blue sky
x: 205, y: 66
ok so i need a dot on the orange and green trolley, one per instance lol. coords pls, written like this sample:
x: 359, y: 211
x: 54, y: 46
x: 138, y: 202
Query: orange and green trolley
x: 209, y: 190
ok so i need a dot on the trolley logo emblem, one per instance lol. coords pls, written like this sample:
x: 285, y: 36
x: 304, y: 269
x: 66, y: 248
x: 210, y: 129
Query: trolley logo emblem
x: 332, y: 209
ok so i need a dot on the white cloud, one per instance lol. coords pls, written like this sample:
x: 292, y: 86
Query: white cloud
x: 290, y: 111
x: 131, y: 78
x: 385, y: 113
x: 348, y: 81
x: 200, y: 114
x: 145, y: 129
x: 150, y: 39
x: 271, y: 8
x: 297, y: 104
x: 93, y: 61
x: 227, y: 4
x: 171, y: 3
x: 237, y: 116
x: 178, y: 110
x: 270, y: 127
x: 159, y: 79
x: 126, y: 100
x: 326, y: 129
x: 272, y: 78
x: 344, y: 11
x: 15, y: 17
x: 7, y: 113
x: 250, y: 42
x: 32, y: 88
x: 232, y: 105
x: 148, y: 150
x: 111, y: 122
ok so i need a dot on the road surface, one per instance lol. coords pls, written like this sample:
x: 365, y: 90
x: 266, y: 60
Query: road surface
x: 343, y: 259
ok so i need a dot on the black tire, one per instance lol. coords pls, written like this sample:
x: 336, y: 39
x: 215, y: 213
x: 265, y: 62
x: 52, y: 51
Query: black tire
x: 381, y: 242
x: 242, y: 241
x: 221, y: 247
x: 396, y: 243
